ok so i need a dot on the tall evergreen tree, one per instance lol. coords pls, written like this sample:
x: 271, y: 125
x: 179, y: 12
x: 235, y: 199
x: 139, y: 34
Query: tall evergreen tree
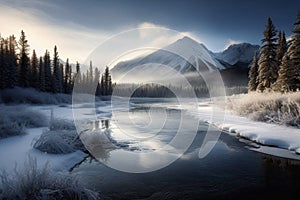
x: 106, y: 84
x: 91, y: 76
x: 294, y: 50
x: 5, y: 64
x: 96, y: 81
x: 48, y: 75
x: 67, y: 86
x: 268, y: 65
x: 42, y: 83
x: 23, y: 61
x: 34, y: 79
x: 253, y: 73
x: 286, y: 79
x: 1, y: 63
x: 57, y: 82
x: 282, y: 46
x: 12, y: 62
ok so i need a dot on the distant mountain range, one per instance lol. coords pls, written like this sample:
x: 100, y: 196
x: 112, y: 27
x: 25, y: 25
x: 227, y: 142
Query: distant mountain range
x: 187, y: 56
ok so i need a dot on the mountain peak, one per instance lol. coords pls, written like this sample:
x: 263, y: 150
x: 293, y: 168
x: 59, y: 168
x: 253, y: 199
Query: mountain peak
x: 242, y: 52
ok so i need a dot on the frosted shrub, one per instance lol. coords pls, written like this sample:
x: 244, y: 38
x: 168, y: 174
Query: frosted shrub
x: 13, y: 120
x: 59, y: 142
x: 269, y: 107
x: 61, y: 138
x: 37, y: 183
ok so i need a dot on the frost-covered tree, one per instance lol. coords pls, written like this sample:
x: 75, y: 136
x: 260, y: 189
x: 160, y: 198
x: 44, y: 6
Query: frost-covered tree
x: 294, y: 50
x: 34, y: 73
x: 282, y: 46
x: 253, y: 73
x: 268, y: 65
x: 286, y: 79
x: 23, y: 61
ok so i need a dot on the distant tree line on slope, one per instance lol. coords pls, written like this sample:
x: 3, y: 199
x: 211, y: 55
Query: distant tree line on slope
x: 277, y: 66
x: 19, y: 69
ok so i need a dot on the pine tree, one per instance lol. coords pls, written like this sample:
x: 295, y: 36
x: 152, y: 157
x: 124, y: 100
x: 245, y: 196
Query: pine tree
x: 294, y: 51
x: 1, y: 63
x: 5, y: 64
x: 67, y: 87
x: 23, y: 61
x: 286, y: 79
x: 268, y: 65
x: 34, y: 82
x: 253, y: 73
x: 282, y: 46
x: 12, y: 62
x: 106, y: 83
x: 57, y: 82
x: 91, y: 76
x: 48, y: 75
x: 42, y: 83
x: 96, y: 81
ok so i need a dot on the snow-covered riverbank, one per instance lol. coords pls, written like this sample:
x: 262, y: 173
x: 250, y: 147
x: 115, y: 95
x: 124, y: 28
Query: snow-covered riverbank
x: 266, y: 134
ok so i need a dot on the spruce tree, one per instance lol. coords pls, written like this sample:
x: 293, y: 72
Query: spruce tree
x: 294, y: 51
x: 1, y: 63
x: 96, y: 81
x: 57, y: 82
x: 91, y: 76
x: 48, y: 75
x: 67, y: 77
x: 253, y: 73
x: 282, y: 46
x: 23, y: 61
x: 12, y: 63
x: 286, y: 79
x: 34, y: 79
x: 268, y: 65
x: 42, y: 83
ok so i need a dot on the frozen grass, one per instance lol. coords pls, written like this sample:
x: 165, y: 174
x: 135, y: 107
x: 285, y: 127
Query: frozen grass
x: 13, y: 120
x: 61, y: 138
x: 59, y: 142
x: 32, y: 96
x: 37, y: 184
x: 283, y: 109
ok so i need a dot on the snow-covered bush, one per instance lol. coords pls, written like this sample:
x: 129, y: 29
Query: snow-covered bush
x: 61, y: 138
x: 59, y: 142
x: 268, y: 107
x: 32, y: 96
x: 32, y: 182
x: 61, y: 124
x: 13, y: 120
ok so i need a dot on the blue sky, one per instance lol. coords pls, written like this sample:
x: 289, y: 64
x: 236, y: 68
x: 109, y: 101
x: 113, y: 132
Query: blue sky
x: 77, y: 27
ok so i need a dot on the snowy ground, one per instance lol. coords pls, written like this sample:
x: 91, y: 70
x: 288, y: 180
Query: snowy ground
x: 273, y: 139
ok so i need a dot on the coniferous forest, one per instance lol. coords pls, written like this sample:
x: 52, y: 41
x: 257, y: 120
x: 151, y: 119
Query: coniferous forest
x: 277, y: 66
x: 21, y: 68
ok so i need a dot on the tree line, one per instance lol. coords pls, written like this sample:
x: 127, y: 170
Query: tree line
x: 276, y: 67
x: 46, y: 74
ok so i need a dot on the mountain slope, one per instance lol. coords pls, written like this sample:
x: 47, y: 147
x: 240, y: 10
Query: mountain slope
x: 238, y: 53
x: 186, y: 55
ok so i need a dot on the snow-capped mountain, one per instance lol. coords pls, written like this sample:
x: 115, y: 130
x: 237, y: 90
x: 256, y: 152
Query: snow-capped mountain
x: 235, y: 53
x: 185, y: 55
